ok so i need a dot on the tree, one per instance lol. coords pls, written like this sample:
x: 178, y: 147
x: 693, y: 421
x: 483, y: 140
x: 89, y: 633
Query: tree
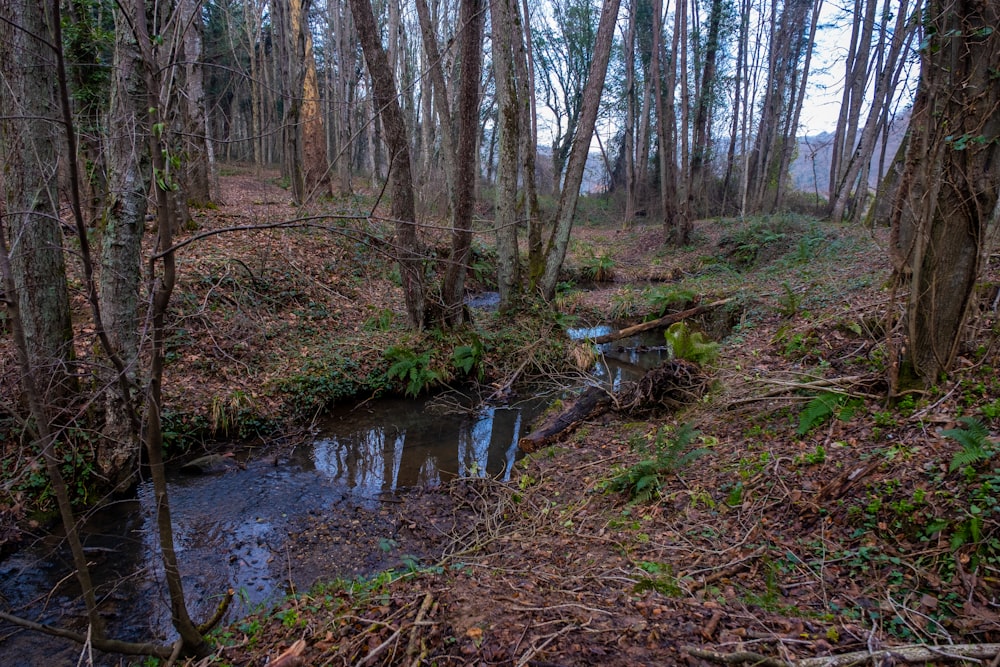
x: 121, y: 248
x: 565, y: 52
x: 947, y: 201
x: 505, y: 31
x: 31, y: 251
x: 787, y: 69
x: 403, y: 209
x: 29, y: 141
x: 559, y: 239
x: 851, y: 177
x: 201, y: 179
x: 701, y: 150
x: 304, y: 137
x: 470, y: 60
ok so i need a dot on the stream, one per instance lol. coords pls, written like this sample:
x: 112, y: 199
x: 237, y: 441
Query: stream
x: 232, y: 530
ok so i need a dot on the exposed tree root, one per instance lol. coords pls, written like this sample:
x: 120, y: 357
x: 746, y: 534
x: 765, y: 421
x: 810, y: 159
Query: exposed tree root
x: 670, y: 385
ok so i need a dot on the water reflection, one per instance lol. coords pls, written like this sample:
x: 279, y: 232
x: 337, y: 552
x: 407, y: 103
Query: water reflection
x: 626, y: 359
x: 411, y: 447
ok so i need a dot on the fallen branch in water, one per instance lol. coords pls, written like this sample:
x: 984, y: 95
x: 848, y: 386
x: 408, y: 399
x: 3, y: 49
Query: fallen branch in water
x: 913, y: 653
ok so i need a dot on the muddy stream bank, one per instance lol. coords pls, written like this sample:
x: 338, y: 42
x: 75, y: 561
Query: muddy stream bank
x: 357, y: 499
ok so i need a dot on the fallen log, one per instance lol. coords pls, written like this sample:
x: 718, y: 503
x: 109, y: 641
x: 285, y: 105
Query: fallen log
x: 660, y: 322
x: 670, y: 385
x: 593, y: 402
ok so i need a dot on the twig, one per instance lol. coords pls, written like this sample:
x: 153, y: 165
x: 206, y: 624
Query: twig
x: 381, y: 647
x: 220, y: 611
x: 290, y: 658
x: 411, y: 649
x: 535, y: 650
x: 914, y: 653
x: 738, y: 658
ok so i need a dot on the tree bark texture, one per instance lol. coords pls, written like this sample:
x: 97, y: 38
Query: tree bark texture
x: 121, y: 248
x: 471, y: 20
x: 508, y: 122
x: 161, y: 285
x: 951, y: 177
x: 201, y: 182
x: 29, y: 143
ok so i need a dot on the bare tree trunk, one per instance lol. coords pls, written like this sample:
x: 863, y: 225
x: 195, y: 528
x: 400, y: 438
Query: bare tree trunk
x: 30, y: 179
x: 701, y: 153
x: 435, y: 72
x: 401, y: 177
x: 789, y: 141
x: 471, y: 20
x: 679, y: 67
x: 790, y: 41
x: 739, y: 104
x: 628, y: 141
x: 559, y: 241
x: 529, y: 152
x: 950, y: 183
x: 665, y: 77
x: 509, y: 117
x: 200, y: 181
x: 121, y: 247
x: 304, y: 154
x: 161, y: 287
x: 31, y: 254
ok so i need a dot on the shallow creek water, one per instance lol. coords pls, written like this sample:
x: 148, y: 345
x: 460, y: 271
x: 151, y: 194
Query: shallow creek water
x: 231, y: 529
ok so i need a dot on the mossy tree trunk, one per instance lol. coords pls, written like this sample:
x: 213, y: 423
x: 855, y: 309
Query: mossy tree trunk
x: 947, y: 198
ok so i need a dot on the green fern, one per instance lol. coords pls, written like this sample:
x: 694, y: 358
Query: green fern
x: 690, y: 345
x: 975, y: 442
x: 412, y: 368
x: 643, y: 481
x: 826, y: 405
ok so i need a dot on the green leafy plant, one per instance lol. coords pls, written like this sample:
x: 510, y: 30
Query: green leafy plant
x: 791, y: 300
x: 690, y: 345
x: 824, y: 406
x: 660, y: 578
x: 469, y: 358
x: 644, y: 480
x: 412, y: 368
x: 380, y: 321
x: 599, y: 268
x: 975, y: 441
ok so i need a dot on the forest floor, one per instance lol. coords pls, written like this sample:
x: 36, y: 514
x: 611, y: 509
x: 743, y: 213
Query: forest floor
x: 807, y: 517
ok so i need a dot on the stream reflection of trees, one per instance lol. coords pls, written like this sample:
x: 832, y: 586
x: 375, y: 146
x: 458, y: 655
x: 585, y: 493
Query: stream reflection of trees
x: 420, y: 450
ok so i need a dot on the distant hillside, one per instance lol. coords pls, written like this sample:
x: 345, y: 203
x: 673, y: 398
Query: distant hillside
x: 810, y: 171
